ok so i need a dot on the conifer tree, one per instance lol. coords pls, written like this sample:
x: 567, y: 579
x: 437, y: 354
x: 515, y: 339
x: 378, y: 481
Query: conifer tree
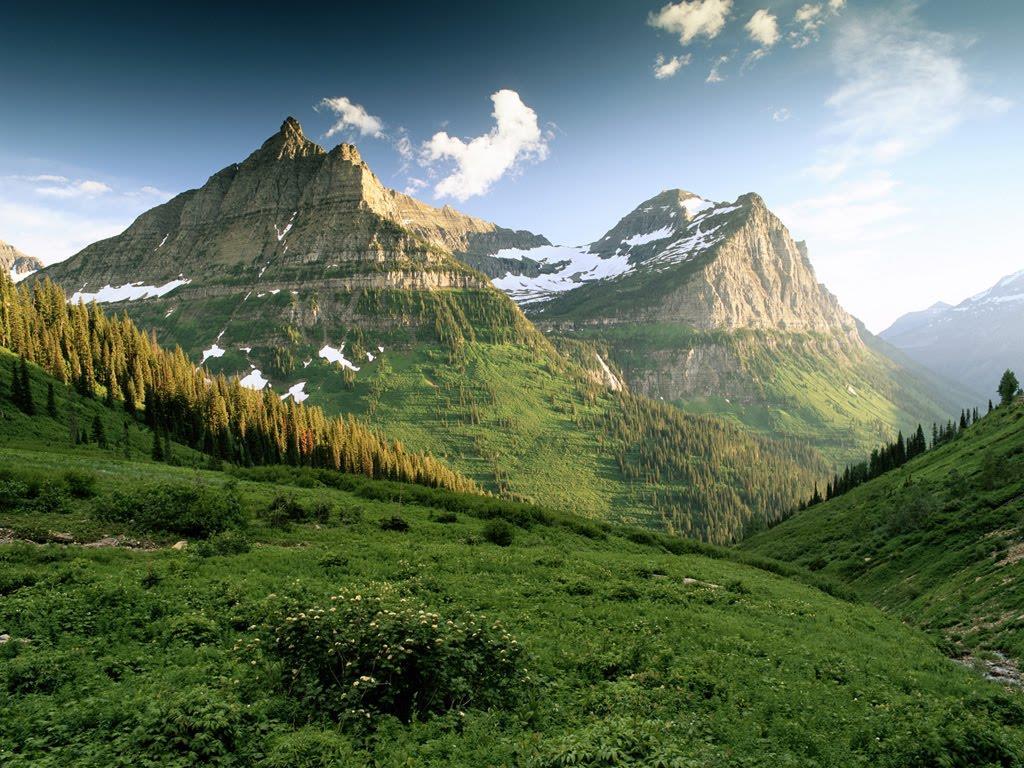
x: 158, y: 447
x: 51, y: 401
x: 1008, y: 387
x: 25, y: 389
x: 99, y: 435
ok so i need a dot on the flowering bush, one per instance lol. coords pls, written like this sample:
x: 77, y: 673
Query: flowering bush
x: 361, y: 654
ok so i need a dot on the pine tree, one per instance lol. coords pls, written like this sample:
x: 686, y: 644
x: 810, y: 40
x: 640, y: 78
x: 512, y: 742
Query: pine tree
x: 99, y: 435
x: 1008, y: 387
x: 25, y: 389
x: 51, y: 401
x: 990, y: 405
x: 158, y: 448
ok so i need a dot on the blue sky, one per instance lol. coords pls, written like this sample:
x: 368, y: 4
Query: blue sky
x: 886, y: 134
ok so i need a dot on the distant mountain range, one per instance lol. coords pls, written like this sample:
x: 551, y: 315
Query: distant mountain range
x: 971, y: 343
x: 17, y: 264
x: 298, y: 270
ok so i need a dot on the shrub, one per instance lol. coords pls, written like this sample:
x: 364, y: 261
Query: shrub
x: 81, y: 485
x: 196, y: 726
x: 12, y: 494
x: 51, y: 499
x: 444, y: 517
x: 394, y: 523
x: 350, y: 514
x: 361, y: 654
x: 312, y: 748
x: 285, y: 510
x: 195, y: 511
x: 230, y: 542
x: 499, y: 532
x: 322, y: 511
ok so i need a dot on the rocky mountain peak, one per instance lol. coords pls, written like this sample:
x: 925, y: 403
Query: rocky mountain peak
x: 288, y: 143
x: 17, y: 264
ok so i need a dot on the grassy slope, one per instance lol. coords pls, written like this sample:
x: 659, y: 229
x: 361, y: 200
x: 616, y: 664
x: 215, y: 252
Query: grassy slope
x: 938, y: 542
x: 794, y: 386
x: 516, y: 417
x: 624, y: 650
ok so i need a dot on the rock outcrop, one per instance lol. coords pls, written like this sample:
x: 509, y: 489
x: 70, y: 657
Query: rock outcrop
x: 17, y: 264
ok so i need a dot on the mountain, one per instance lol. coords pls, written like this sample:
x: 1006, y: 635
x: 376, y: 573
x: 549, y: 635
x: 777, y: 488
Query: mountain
x: 297, y: 270
x: 713, y: 306
x: 938, y: 542
x: 971, y: 343
x: 274, y: 617
x: 17, y: 264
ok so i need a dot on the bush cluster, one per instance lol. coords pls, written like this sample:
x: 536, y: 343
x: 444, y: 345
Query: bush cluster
x: 285, y: 510
x: 365, y: 653
x: 195, y: 511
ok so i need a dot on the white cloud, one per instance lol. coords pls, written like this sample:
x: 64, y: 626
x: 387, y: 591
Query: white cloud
x: 42, y: 177
x: 515, y: 138
x: 414, y: 185
x: 354, y: 116
x: 810, y: 18
x: 692, y: 18
x: 781, y: 115
x: 763, y: 28
x: 665, y: 68
x: 901, y: 87
x: 66, y: 189
x: 715, y: 75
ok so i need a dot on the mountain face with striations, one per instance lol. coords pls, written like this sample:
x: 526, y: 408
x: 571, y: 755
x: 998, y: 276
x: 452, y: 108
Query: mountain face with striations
x: 299, y: 272
x: 971, y: 343
x: 714, y: 306
x: 17, y: 264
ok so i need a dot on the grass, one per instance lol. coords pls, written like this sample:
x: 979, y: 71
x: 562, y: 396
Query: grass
x: 937, y: 542
x: 631, y: 654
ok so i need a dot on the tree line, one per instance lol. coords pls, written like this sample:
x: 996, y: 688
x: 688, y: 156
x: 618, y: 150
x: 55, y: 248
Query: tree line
x: 894, y: 455
x: 111, y: 358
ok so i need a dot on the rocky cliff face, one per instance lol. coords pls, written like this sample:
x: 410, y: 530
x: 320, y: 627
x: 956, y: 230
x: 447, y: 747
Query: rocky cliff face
x: 715, y: 306
x: 289, y: 213
x: 17, y: 264
x: 682, y: 259
x: 971, y: 343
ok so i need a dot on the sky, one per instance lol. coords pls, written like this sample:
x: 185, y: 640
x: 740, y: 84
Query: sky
x: 888, y: 135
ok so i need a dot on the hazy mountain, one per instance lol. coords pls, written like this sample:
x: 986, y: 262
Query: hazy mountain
x: 971, y: 343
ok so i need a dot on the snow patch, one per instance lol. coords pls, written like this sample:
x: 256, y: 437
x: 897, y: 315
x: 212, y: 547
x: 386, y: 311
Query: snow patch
x: 694, y: 205
x: 568, y: 268
x: 162, y: 242
x: 169, y: 311
x: 333, y: 355
x: 247, y: 350
x: 297, y: 392
x: 650, y: 237
x: 129, y: 292
x: 17, y: 277
x: 254, y: 380
x: 214, y: 351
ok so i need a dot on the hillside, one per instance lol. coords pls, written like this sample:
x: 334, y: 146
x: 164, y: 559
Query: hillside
x: 474, y: 632
x: 297, y: 272
x: 714, y: 307
x: 937, y: 542
x: 971, y: 343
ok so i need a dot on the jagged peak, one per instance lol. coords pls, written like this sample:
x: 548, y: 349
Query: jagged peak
x: 289, y: 142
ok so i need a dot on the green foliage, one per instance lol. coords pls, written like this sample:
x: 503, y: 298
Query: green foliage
x: 938, y: 540
x: 500, y: 532
x: 195, y: 510
x: 394, y: 523
x: 1008, y: 387
x: 369, y: 652
x: 313, y: 747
